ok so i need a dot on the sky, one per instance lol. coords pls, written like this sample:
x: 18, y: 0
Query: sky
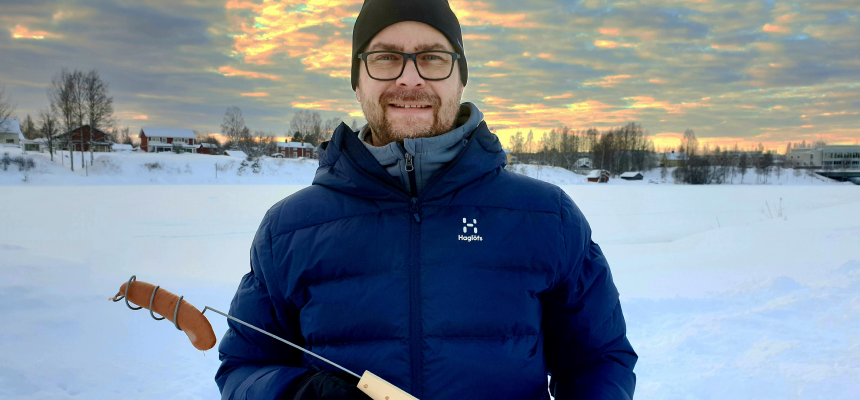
x: 736, y: 72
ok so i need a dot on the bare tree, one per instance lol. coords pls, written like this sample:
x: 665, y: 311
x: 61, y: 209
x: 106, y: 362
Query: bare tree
x: 62, y: 100
x: 328, y: 128
x: 98, y: 105
x: 48, y: 127
x: 7, y: 107
x: 308, y: 124
x: 233, y: 124
x: 125, y: 136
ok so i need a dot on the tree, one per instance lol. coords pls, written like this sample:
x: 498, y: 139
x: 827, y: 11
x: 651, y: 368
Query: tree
x: 308, y: 124
x: 125, y: 136
x: 98, y: 105
x: 48, y: 127
x: 743, y: 164
x: 233, y: 124
x: 61, y: 97
x: 6, y: 105
x: 328, y: 128
x: 689, y: 143
x: 28, y: 129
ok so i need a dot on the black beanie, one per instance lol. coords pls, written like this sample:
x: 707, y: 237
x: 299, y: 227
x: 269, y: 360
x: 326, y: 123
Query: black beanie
x: 376, y: 15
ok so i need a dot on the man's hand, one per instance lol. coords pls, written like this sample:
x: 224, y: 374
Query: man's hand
x: 329, y: 385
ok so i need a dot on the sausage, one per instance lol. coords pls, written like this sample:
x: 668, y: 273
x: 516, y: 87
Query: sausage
x: 191, y: 320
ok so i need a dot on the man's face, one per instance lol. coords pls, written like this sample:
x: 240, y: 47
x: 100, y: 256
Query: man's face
x: 383, y: 101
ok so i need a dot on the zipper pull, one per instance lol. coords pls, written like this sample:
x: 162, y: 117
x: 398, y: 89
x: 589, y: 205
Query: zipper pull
x: 409, y: 166
x: 414, y: 209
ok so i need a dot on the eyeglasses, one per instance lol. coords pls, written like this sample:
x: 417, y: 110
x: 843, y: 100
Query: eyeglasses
x: 389, y: 65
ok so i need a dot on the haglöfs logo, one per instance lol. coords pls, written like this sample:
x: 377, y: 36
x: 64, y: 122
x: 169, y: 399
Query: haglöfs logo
x: 466, y: 226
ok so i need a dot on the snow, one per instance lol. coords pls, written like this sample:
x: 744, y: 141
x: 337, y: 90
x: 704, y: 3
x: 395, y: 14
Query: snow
x: 729, y: 291
x: 236, y: 154
x: 631, y: 174
x: 152, y: 131
x: 11, y: 125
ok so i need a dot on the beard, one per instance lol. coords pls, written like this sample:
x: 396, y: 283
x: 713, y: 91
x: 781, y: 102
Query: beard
x: 405, y: 127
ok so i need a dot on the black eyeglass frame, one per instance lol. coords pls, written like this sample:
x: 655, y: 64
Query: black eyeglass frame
x: 407, y: 57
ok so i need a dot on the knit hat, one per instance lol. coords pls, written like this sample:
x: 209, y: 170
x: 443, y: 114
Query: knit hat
x: 376, y: 15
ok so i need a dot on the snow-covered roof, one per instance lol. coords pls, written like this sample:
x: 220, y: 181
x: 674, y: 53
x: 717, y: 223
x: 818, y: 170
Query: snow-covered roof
x: 676, y: 156
x: 11, y: 125
x: 595, y: 173
x: 236, y: 153
x: 209, y: 145
x: 122, y: 147
x: 183, y: 145
x: 168, y: 132
x: 296, y: 145
x: 630, y: 174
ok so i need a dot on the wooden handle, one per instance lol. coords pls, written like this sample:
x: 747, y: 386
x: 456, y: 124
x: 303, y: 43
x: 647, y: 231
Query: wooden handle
x: 378, y: 389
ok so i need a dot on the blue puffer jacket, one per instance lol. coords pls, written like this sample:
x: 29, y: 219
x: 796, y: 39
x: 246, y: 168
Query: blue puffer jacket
x: 478, y: 288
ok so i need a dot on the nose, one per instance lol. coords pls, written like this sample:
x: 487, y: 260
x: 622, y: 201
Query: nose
x: 410, y: 77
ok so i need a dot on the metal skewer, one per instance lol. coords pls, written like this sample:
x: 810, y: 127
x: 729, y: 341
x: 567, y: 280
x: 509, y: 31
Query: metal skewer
x: 282, y: 340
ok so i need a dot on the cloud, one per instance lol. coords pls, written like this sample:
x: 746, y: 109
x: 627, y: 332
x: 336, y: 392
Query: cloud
x: 230, y: 71
x: 608, y: 81
x: 255, y: 94
x: 20, y: 32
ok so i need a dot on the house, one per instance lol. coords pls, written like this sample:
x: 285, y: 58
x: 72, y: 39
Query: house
x: 598, y: 175
x: 673, y: 159
x: 157, y: 140
x: 235, y: 153
x: 631, y: 176
x: 37, y: 145
x: 207, y: 148
x: 10, y: 133
x: 82, y: 137
x: 582, y: 162
x: 296, y: 149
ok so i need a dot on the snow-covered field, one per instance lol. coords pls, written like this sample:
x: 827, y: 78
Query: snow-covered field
x: 730, y: 292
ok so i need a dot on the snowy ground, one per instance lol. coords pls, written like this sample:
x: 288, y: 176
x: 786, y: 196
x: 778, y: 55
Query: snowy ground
x: 723, y: 298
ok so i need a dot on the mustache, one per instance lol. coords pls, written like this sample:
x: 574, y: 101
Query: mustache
x: 409, y: 95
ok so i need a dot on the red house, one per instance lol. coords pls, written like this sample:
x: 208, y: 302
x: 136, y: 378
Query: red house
x: 207, y: 148
x: 100, y: 140
x: 157, y: 140
x: 296, y: 149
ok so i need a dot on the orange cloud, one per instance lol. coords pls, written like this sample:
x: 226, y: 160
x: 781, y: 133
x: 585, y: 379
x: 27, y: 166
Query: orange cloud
x: 476, y: 37
x: 775, y: 28
x: 334, y: 56
x: 608, y: 81
x: 606, y: 44
x: 498, y: 75
x: 475, y: 13
x: 494, y: 64
x: 230, y: 71
x: 608, y: 31
x: 141, y: 116
x: 307, y: 105
x: 495, y: 100
x: 658, y: 81
x: 21, y: 32
x: 255, y: 94
x: 644, y: 102
x: 544, y: 55
x: 563, y: 96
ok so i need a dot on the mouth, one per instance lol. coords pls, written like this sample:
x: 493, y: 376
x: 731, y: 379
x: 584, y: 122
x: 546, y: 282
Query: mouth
x: 410, y: 107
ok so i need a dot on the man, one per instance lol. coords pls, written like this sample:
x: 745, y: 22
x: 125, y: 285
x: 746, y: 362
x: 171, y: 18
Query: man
x: 416, y: 256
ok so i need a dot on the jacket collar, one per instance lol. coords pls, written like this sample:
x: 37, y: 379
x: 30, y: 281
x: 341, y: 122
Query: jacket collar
x: 347, y: 166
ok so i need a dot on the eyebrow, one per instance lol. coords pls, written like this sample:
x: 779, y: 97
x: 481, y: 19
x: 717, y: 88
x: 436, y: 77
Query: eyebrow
x: 395, y: 47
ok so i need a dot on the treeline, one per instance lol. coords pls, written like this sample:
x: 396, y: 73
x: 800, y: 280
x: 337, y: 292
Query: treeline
x: 617, y: 150
x: 306, y: 126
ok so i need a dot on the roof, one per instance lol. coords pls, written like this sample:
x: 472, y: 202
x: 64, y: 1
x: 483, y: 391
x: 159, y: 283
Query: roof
x: 209, y: 145
x: 168, y: 132
x: 236, y: 153
x: 122, y: 147
x: 631, y: 174
x: 11, y: 125
x: 595, y: 173
x: 183, y: 145
x: 296, y: 145
x: 676, y: 156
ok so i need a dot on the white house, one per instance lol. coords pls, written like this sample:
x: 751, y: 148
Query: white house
x: 157, y: 140
x: 10, y: 133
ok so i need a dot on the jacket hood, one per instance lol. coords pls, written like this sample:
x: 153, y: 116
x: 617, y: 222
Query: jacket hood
x: 347, y: 166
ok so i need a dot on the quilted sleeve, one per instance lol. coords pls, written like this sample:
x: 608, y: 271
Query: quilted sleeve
x: 586, y: 347
x: 253, y: 365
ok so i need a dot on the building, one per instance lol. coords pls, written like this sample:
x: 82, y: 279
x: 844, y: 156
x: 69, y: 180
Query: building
x: 631, y: 176
x: 122, y: 147
x: 296, y: 149
x: 207, y: 148
x: 673, y: 159
x: 10, y: 133
x: 82, y: 137
x: 236, y: 154
x: 598, y: 175
x: 157, y: 140
x: 827, y: 157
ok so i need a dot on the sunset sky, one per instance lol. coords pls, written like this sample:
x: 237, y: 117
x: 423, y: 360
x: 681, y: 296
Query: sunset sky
x: 734, y: 71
